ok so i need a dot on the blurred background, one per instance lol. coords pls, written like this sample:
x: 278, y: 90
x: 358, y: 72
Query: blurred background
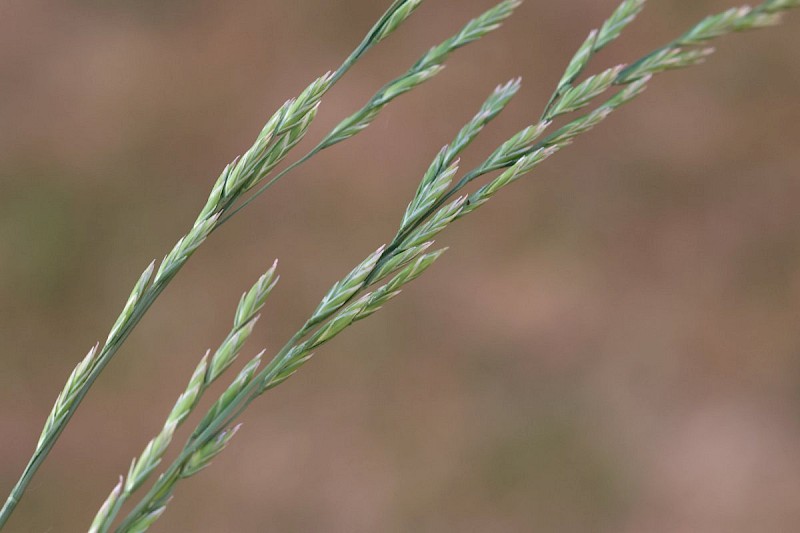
x: 611, y: 345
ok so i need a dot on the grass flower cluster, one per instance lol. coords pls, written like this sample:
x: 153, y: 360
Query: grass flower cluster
x: 582, y: 102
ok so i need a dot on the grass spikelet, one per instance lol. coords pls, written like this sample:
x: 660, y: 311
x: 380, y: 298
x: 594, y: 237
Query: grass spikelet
x: 625, y: 13
x: 582, y: 94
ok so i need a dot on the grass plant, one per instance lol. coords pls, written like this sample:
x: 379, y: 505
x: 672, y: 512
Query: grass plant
x: 580, y: 101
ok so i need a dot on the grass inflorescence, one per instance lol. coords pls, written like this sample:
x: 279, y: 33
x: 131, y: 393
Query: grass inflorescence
x: 439, y: 200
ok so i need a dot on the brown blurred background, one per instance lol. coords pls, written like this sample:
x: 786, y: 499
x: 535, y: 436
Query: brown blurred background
x: 613, y: 346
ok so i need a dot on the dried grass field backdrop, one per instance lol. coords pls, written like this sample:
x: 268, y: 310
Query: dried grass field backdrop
x: 614, y: 349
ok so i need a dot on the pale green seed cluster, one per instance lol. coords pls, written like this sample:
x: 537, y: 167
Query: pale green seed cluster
x: 682, y: 52
x: 66, y: 397
x: 666, y: 59
x: 430, y: 191
x: 578, y: 97
x: 144, y: 522
x: 103, y: 516
x: 426, y: 68
x: 518, y: 145
x: 625, y: 13
x: 207, y: 371
x: 409, y: 273
x: 344, y: 289
x: 398, y: 13
x: 736, y: 19
x: 206, y: 453
x: 611, y: 29
x: 282, y: 132
x: 474, y: 30
x: 243, y: 378
x: 523, y: 165
x: 399, y: 259
x: 440, y: 173
x: 130, y: 305
x: 492, y: 107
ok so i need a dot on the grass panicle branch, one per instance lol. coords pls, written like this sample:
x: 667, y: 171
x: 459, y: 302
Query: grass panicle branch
x: 683, y: 51
x: 207, y: 372
x: 440, y: 173
x: 611, y: 29
x: 425, y: 68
